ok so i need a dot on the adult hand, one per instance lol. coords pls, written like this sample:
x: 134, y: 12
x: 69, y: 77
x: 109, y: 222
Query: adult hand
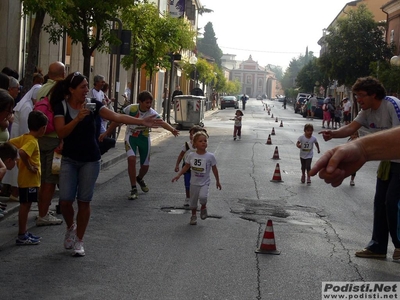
x: 152, y: 122
x: 326, y: 134
x: 83, y: 113
x: 339, y: 163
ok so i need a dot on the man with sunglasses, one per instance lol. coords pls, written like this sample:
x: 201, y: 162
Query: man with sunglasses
x: 47, y: 144
x: 378, y: 112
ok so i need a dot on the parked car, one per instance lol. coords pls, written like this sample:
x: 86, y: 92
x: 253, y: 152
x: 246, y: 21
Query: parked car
x: 229, y: 101
x: 318, y: 114
x: 298, y: 104
x: 259, y: 97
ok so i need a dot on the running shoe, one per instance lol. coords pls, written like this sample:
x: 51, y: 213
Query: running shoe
x: 142, y: 184
x: 24, y: 240
x: 193, y: 220
x: 303, y: 178
x: 48, y: 219
x: 203, y: 214
x: 134, y: 194
x: 396, y: 254
x: 352, y: 183
x: 32, y: 236
x: 366, y: 253
x: 186, y: 202
x: 78, y: 248
x: 69, y: 238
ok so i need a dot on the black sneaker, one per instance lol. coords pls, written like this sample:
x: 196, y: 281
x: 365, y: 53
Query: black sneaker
x: 134, y: 194
x: 143, y: 185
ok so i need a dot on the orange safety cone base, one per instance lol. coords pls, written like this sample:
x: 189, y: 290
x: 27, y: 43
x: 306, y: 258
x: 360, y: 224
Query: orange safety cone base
x: 261, y: 251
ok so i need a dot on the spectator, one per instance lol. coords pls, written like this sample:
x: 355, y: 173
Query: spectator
x: 48, y: 144
x: 80, y: 164
x: 378, y: 112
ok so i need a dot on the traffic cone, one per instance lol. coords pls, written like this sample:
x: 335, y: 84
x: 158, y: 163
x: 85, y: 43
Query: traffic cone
x: 277, y: 175
x: 276, y: 153
x: 269, y: 112
x: 281, y: 124
x: 276, y: 120
x: 272, y: 116
x: 273, y: 131
x: 268, y: 242
x: 269, y: 142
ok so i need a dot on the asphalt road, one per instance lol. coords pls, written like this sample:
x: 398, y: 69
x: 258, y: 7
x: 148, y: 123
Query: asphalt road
x: 146, y: 249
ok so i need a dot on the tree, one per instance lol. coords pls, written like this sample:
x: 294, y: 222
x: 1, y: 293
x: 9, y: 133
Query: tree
x: 353, y: 43
x: 208, y: 44
x: 309, y: 75
x: 155, y: 38
x: 39, y: 9
x: 87, y: 22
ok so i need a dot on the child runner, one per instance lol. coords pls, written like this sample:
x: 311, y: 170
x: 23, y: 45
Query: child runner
x: 137, y: 140
x: 237, y: 128
x: 29, y: 173
x: 201, y: 163
x: 306, y: 144
x: 353, y: 137
x: 186, y: 149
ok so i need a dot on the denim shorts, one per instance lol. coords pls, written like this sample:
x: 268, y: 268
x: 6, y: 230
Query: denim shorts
x: 77, y: 179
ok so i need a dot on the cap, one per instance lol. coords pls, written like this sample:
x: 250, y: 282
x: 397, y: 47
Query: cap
x: 345, y: 99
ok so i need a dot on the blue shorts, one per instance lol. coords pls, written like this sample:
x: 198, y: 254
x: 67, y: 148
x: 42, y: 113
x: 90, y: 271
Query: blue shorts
x: 77, y: 179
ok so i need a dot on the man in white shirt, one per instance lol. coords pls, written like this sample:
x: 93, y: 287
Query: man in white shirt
x: 346, y: 111
x: 96, y: 91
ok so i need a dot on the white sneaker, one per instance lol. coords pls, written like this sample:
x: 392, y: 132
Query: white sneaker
x: 352, y: 183
x: 48, y: 219
x: 78, y: 248
x: 70, y: 236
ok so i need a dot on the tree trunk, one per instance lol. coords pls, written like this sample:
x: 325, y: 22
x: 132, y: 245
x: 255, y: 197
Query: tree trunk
x: 86, y: 61
x: 33, y: 49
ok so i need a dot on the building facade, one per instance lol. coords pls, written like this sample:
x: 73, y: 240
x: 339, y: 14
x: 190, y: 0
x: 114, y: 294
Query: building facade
x: 255, y: 80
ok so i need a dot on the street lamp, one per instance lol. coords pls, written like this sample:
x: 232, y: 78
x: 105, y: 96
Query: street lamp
x: 193, y: 61
x: 395, y: 61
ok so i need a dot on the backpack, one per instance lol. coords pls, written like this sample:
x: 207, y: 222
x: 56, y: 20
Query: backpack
x: 45, y: 107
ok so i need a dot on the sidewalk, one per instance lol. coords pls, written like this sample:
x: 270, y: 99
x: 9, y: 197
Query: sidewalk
x: 110, y: 158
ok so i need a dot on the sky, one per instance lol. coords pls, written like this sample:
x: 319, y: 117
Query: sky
x: 271, y: 31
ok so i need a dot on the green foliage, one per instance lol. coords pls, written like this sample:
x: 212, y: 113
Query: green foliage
x: 154, y: 37
x: 296, y: 64
x: 353, y: 43
x: 388, y: 75
x: 309, y: 75
x: 85, y: 21
x: 208, y: 44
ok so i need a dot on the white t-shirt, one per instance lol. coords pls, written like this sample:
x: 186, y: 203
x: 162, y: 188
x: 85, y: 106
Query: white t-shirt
x: 307, y: 146
x: 385, y: 117
x: 347, y: 106
x: 238, y: 121
x: 200, y: 166
x: 99, y: 95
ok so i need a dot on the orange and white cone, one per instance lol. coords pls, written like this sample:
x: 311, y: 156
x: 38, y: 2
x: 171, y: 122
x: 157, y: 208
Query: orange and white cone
x: 269, y: 141
x: 276, y: 120
x: 273, y: 131
x: 269, y: 112
x: 276, y: 153
x: 281, y: 124
x: 272, y: 116
x: 268, y: 242
x: 277, y: 175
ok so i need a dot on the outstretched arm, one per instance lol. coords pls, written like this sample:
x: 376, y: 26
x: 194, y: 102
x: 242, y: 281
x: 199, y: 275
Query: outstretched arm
x: 342, y: 161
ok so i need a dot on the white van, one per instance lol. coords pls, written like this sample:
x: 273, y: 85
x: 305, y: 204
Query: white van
x: 302, y: 95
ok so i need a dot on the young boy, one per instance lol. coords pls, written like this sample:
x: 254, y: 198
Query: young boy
x: 29, y: 173
x: 201, y: 163
x: 8, y: 156
x: 306, y: 144
x: 137, y: 140
x: 186, y: 149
